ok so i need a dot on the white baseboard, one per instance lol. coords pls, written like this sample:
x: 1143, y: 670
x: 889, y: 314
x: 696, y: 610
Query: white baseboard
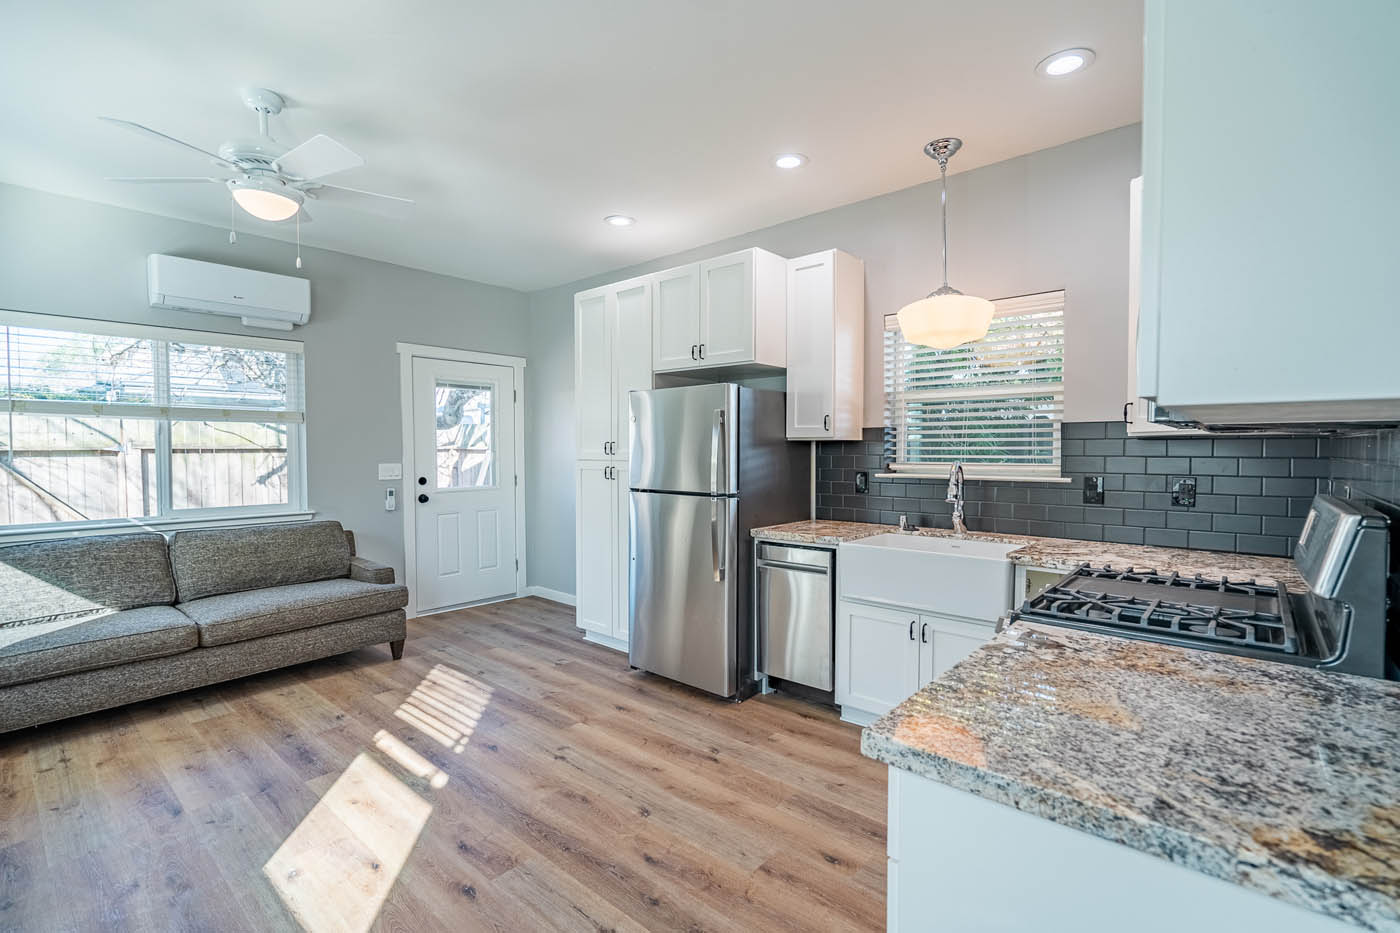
x: 607, y: 641
x: 544, y: 592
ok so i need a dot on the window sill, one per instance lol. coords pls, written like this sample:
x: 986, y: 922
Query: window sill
x: 22, y: 534
x: 908, y: 475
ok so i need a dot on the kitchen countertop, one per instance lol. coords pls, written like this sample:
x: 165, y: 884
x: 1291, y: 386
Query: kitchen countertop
x: 1274, y: 777
x: 1067, y: 553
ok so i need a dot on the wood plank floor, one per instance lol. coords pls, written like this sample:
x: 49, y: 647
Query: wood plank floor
x: 505, y: 775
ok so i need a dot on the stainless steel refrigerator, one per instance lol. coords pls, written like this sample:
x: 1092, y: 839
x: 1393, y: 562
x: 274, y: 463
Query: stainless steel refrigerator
x: 708, y: 464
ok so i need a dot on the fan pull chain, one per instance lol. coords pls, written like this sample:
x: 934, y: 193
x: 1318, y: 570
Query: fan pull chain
x: 232, y: 215
x: 298, y: 238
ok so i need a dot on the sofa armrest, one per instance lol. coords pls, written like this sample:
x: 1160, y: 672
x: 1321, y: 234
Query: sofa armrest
x: 367, y: 571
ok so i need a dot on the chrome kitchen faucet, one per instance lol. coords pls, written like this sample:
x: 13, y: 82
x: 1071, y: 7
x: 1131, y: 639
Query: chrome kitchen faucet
x: 955, y: 496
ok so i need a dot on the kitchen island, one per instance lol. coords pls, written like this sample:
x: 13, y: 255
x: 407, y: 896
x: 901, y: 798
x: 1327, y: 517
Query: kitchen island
x: 1063, y: 780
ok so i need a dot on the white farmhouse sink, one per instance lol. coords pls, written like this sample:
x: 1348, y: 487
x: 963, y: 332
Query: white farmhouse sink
x: 964, y: 577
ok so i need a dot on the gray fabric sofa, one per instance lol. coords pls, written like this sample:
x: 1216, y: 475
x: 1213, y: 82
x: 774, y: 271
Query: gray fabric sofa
x: 95, y: 622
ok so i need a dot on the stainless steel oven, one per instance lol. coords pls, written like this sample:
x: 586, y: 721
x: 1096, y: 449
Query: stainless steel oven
x: 795, y: 619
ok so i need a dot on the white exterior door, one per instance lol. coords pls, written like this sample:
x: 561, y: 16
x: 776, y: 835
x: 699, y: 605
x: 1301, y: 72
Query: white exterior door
x: 464, y: 487
x: 811, y: 375
x: 593, y: 372
x: 595, y: 559
x: 676, y: 321
x: 727, y: 309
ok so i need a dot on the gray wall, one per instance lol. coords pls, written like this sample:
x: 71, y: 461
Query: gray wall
x: 1052, y: 219
x: 64, y: 256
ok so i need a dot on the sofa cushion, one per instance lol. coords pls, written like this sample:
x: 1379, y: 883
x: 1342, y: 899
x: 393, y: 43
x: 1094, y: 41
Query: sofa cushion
x: 74, y: 577
x: 41, y: 650
x: 232, y: 617
x: 211, y: 561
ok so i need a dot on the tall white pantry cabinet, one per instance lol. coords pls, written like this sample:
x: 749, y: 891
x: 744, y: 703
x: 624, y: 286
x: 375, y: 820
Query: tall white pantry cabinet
x: 612, y: 356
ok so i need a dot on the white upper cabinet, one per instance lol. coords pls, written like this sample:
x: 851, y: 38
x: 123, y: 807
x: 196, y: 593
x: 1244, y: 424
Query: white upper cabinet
x: 825, y: 347
x: 593, y: 372
x: 612, y: 356
x: 734, y: 313
x: 1270, y: 198
x: 676, y: 318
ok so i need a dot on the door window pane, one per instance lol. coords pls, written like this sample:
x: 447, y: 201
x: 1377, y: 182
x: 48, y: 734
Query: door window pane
x: 465, y: 440
x: 63, y: 468
x: 214, y: 464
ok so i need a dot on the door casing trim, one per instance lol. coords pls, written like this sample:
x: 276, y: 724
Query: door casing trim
x: 408, y: 352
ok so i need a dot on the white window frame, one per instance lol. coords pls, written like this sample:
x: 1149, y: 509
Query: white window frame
x: 296, y: 507
x: 896, y: 398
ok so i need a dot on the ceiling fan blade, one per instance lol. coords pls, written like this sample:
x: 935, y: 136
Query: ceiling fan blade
x: 305, y: 217
x: 136, y: 127
x: 168, y: 181
x: 343, y: 195
x: 317, y: 157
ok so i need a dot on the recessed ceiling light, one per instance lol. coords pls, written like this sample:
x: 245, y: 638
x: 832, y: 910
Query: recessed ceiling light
x: 790, y: 160
x: 1064, y: 63
x: 619, y: 220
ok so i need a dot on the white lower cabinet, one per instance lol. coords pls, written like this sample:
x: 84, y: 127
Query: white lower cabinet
x: 885, y: 654
x: 601, y: 553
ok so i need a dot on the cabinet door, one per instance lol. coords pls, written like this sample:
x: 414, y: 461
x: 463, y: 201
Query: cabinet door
x: 878, y: 664
x: 631, y: 355
x: 622, y: 544
x: 945, y: 642
x: 727, y: 309
x: 595, y: 576
x: 811, y: 377
x: 593, y: 372
x: 675, y: 318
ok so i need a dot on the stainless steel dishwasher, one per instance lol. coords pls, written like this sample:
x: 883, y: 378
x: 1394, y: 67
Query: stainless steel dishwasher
x: 795, y: 621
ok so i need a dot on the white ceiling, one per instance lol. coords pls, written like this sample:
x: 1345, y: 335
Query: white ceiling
x: 518, y: 125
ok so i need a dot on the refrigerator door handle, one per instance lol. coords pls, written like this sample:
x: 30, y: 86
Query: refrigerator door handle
x: 714, y: 540
x: 717, y: 441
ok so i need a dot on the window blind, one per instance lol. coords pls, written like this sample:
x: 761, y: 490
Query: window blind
x: 103, y: 369
x: 996, y: 404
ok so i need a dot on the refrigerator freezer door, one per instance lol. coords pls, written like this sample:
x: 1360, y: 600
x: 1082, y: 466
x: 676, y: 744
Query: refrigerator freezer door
x: 684, y: 587
x: 684, y: 439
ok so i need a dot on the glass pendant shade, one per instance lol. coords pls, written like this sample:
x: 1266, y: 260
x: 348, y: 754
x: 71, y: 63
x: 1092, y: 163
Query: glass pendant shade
x: 945, y: 319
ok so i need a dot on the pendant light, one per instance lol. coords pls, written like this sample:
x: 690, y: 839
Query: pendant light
x: 947, y: 317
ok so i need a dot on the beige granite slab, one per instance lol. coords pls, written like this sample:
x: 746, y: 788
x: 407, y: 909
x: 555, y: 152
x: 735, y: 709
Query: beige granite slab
x: 1067, y: 553
x: 1275, y: 777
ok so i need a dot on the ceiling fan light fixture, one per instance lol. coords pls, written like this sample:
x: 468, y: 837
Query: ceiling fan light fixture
x: 266, y: 199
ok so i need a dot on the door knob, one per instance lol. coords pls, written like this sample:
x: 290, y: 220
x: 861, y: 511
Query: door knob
x: 422, y: 497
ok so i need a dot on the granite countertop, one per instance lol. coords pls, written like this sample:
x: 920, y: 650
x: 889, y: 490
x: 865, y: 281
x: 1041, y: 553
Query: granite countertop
x: 1067, y: 553
x: 1274, y: 777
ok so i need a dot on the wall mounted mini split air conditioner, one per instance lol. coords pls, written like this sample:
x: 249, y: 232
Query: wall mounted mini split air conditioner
x: 260, y: 299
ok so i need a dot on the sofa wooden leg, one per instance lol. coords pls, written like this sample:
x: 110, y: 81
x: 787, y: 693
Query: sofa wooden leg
x: 396, y: 648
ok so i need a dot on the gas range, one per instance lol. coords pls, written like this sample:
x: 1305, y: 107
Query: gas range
x: 1339, y: 624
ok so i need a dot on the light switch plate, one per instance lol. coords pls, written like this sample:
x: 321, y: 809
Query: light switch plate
x: 391, y: 471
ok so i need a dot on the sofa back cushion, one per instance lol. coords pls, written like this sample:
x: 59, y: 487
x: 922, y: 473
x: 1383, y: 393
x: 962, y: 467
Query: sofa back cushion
x: 212, y: 561
x: 64, y: 579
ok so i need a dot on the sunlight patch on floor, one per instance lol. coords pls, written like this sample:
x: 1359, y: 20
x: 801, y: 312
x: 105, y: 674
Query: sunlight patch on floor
x: 446, y: 706
x: 335, y: 869
x: 408, y: 759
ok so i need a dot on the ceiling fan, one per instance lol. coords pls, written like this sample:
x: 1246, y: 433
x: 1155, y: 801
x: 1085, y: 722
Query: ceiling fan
x: 266, y: 179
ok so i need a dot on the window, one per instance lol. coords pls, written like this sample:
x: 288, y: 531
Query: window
x: 103, y: 423
x: 996, y: 405
x: 463, y: 435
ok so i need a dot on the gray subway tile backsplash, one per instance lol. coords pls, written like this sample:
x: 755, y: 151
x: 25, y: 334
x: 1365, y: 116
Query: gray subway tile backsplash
x: 1252, y: 492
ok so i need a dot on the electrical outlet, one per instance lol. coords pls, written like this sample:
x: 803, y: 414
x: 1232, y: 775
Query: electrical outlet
x: 862, y: 482
x: 1183, y: 491
x: 1093, y: 490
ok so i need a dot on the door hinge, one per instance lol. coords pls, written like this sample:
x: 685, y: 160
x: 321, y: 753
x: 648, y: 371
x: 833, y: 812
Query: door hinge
x: 517, y: 479
x: 517, y: 565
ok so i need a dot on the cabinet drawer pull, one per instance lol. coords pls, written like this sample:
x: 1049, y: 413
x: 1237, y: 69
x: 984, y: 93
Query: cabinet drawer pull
x: 912, y: 622
x: 923, y: 634
x: 702, y: 351
x: 826, y: 422
x: 693, y: 348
